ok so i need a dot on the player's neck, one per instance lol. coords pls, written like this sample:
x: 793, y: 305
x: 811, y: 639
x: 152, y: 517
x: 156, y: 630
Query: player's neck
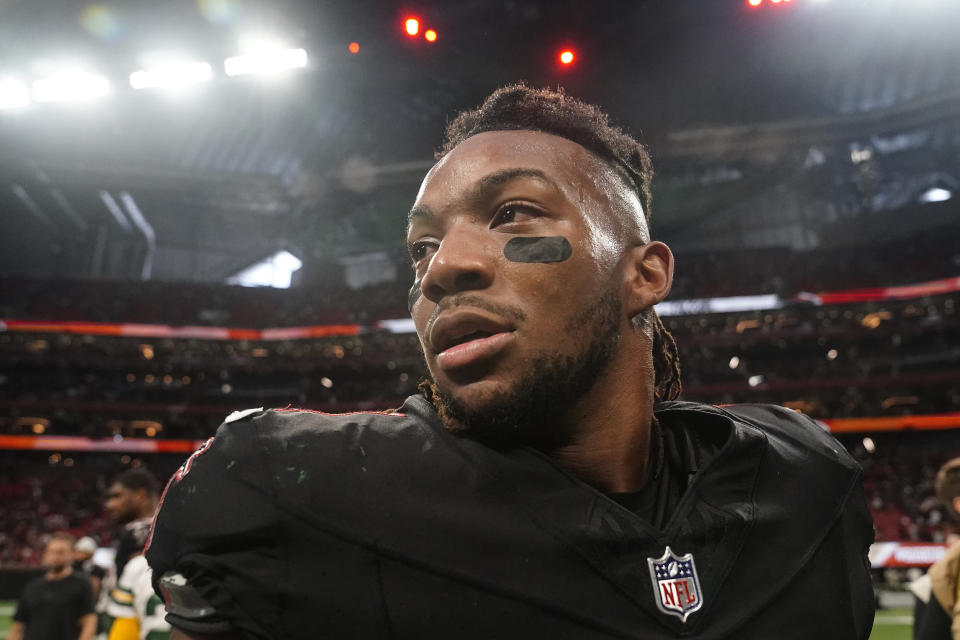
x: 611, y: 452
x: 146, y: 511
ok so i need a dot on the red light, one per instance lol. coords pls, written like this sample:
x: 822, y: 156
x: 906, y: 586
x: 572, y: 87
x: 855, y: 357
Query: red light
x: 775, y: 1
x: 430, y: 35
x: 566, y: 56
x: 354, y: 47
x: 412, y: 25
x: 754, y: 3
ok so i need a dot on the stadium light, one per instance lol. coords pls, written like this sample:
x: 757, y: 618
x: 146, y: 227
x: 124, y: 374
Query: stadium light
x: 265, y: 60
x: 274, y: 271
x: 411, y: 26
x: 936, y: 194
x: 354, y: 47
x: 13, y: 94
x: 567, y: 57
x: 171, y: 74
x: 70, y: 86
x: 430, y: 35
x: 756, y: 3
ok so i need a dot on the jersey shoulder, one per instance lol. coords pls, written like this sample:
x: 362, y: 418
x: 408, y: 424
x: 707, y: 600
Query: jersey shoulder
x: 251, y: 442
x: 224, y: 514
x: 234, y: 481
x: 789, y: 434
x: 790, y: 465
x: 795, y: 434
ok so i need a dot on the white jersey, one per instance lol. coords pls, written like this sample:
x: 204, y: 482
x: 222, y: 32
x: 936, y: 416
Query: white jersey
x: 133, y: 598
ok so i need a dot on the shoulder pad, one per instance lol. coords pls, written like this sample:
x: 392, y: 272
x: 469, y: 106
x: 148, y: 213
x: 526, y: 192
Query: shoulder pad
x: 792, y: 428
x: 240, y: 415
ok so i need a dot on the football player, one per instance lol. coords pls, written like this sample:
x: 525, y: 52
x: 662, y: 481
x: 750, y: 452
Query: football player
x: 546, y: 482
x: 129, y: 609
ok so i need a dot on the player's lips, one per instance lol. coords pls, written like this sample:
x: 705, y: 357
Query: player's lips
x: 464, y: 336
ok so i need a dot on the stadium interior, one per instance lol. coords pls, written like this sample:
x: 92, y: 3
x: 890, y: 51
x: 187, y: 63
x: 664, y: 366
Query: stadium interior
x: 203, y: 206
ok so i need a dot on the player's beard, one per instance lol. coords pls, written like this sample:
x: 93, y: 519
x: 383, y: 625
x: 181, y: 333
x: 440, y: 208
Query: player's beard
x: 531, y: 413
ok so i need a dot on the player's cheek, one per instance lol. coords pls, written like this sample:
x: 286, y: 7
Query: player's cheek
x: 551, y: 286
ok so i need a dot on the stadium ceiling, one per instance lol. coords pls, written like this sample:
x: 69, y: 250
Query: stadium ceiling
x: 788, y: 116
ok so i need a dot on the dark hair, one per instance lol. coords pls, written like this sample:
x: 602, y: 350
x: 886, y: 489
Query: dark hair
x: 947, y: 485
x: 518, y: 107
x: 138, y: 478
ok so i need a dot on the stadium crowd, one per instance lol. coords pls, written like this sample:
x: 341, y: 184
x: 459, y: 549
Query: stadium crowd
x: 865, y: 359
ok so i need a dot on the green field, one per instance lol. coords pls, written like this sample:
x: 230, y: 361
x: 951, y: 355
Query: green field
x: 6, y: 616
x: 892, y: 624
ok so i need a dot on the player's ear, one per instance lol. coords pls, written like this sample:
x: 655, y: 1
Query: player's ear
x: 648, y: 276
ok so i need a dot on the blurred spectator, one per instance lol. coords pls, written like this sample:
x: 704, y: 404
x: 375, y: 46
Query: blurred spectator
x: 59, y: 604
x: 939, y: 617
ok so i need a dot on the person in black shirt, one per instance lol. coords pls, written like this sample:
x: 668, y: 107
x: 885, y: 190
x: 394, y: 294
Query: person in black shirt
x: 546, y: 482
x: 59, y: 604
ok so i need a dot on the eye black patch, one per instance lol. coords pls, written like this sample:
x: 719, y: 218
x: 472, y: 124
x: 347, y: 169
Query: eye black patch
x: 542, y: 250
x: 413, y: 295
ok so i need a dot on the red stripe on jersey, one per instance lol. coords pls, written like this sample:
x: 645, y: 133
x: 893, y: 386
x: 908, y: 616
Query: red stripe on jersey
x: 393, y: 414
x: 176, y: 477
x: 153, y: 523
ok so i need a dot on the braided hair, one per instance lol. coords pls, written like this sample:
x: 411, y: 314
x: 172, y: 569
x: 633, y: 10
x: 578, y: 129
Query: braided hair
x: 519, y: 107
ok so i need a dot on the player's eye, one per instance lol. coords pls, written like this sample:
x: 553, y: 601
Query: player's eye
x: 420, y: 249
x: 513, y: 212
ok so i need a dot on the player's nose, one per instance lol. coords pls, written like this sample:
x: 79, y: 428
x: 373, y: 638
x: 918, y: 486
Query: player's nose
x: 462, y: 262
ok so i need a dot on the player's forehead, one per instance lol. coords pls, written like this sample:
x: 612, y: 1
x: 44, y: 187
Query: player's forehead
x: 566, y: 164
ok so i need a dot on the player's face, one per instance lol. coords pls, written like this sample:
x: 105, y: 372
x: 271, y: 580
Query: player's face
x: 57, y: 555
x: 514, y: 253
x: 121, y: 503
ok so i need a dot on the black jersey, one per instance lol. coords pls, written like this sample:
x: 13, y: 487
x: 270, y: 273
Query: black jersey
x: 132, y: 539
x: 298, y: 524
x: 52, y: 609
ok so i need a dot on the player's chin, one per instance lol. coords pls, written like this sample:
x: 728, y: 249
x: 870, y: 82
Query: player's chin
x: 476, y: 396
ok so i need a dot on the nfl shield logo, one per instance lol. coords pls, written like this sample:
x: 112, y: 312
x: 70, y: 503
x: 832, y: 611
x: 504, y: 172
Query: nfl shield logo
x: 676, y: 584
